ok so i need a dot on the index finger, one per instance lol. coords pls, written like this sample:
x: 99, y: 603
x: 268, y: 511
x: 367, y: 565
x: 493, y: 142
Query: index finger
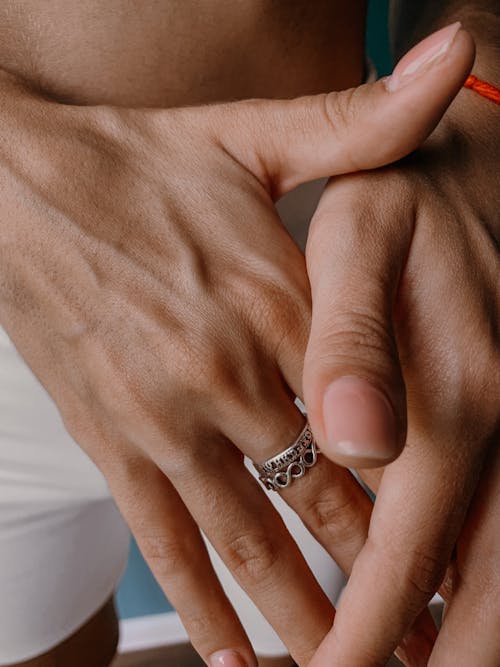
x: 474, y: 610
x: 403, y: 560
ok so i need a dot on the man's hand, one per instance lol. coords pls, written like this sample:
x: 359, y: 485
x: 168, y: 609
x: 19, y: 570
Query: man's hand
x: 147, y: 281
x: 404, y: 267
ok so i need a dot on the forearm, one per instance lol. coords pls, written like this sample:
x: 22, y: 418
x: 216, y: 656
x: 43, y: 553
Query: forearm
x: 410, y: 21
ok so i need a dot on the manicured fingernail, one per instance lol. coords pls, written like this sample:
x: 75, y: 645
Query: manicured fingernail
x: 359, y: 421
x: 424, y: 54
x: 227, y: 659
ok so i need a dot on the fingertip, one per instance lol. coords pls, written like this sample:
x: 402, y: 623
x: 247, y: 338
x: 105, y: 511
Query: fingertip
x: 230, y: 658
x: 451, y: 47
x: 360, y: 425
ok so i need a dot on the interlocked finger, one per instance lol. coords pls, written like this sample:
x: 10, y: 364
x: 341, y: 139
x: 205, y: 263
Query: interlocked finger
x: 174, y: 549
x: 327, y: 498
x: 250, y: 537
x: 403, y: 561
x: 473, y: 608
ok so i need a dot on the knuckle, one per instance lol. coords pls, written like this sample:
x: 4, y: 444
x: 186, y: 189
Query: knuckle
x: 475, y: 400
x: 167, y: 557
x: 385, y: 199
x: 416, y: 575
x: 423, y: 576
x: 252, y: 557
x: 331, y: 515
x: 181, y: 464
x: 199, y: 625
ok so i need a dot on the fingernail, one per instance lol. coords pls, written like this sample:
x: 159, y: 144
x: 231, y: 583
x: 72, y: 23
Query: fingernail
x: 227, y: 659
x: 424, y: 54
x: 359, y: 421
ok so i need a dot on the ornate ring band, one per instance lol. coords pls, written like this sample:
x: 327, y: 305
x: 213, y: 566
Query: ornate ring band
x: 279, y: 471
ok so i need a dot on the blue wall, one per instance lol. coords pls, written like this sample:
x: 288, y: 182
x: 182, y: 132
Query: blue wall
x: 139, y: 594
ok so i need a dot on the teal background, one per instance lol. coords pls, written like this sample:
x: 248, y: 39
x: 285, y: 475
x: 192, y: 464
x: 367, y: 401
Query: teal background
x: 139, y: 594
x: 377, y: 36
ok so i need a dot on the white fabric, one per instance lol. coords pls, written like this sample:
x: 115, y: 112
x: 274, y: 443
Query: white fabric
x: 63, y: 544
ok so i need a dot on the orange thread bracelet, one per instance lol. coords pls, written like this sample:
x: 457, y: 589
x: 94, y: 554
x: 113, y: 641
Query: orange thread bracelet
x: 483, y: 88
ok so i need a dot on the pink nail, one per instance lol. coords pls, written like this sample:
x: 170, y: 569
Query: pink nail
x: 424, y: 54
x: 227, y: 659
x: 359, y: 421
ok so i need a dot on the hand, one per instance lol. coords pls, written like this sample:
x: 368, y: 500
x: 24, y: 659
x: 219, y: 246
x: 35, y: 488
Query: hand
x: 404, y: 269
x: 148, y: 282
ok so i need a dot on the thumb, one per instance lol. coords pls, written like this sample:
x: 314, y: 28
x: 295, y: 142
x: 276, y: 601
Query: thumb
x: 353, y: 385
x: 285, y: 143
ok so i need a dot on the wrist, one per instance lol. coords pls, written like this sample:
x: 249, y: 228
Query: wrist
x: 465, y: 148
x: 474, y: 121
x: 476, y: 117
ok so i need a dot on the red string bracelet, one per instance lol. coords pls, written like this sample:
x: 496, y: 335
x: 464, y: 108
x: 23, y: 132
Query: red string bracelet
x: 483, y: 88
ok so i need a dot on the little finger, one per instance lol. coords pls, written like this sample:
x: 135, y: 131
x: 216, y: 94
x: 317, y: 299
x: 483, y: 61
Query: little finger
x: 174, y: 549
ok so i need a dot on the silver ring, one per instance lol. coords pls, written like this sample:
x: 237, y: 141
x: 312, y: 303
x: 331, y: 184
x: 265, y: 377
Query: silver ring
x: 279, y: 471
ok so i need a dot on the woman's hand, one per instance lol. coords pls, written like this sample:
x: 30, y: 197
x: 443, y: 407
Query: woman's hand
x: 404, y: 267
x: 147, y: 281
